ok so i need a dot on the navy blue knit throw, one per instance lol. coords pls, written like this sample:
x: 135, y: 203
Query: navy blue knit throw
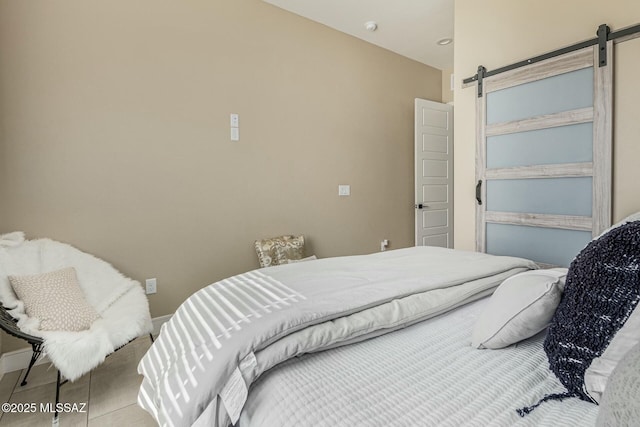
x: 602, y: 290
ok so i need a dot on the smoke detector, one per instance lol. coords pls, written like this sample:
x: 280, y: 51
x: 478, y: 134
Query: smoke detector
x: 371, y: 26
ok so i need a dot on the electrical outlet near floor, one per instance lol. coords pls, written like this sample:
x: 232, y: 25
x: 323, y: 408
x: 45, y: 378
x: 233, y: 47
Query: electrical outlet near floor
x: 151, y: 285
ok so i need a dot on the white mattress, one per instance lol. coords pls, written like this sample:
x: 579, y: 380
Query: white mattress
x: 424, y: 375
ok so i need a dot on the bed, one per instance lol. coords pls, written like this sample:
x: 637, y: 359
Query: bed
x: 426, y: 374
x: 292, y: 345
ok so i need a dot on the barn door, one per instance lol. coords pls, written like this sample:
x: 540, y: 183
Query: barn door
x: 543, y: 160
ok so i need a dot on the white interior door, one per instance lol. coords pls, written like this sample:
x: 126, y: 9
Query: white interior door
x: 434, y: 173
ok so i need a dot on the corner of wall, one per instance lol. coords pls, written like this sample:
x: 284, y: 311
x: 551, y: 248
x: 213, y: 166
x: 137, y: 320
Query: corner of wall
x: 447, y: 92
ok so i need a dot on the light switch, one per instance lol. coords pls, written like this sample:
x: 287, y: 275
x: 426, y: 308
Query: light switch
x: 344, y: 190
x: 235, y: 134
x: 235, y: 120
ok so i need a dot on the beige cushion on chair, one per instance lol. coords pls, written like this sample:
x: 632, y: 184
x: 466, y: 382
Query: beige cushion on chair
x: 279, y: 250
x: 56, y: 299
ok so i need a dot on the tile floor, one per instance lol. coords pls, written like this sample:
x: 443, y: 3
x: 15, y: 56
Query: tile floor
x: 109, y: 391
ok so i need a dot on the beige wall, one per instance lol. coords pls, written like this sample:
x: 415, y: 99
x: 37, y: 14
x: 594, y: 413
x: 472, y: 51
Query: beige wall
x: 114, y: 121
x: 447, y: 93
x: 495, y: 33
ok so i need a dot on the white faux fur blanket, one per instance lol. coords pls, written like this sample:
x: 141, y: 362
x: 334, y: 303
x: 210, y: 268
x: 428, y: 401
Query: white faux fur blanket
x: 120, y: 302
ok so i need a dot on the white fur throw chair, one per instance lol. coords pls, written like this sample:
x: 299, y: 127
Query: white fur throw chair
x: 120, y: 303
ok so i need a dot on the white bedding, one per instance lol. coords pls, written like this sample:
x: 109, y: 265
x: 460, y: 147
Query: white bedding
x: 226, y: 335
x: 424, y: 375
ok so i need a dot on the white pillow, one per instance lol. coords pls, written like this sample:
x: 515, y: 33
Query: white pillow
x: 597, y: 375
x: 630, y: 218
x: 309, y: 258
x: 620, y: 404
x: 522, y: 306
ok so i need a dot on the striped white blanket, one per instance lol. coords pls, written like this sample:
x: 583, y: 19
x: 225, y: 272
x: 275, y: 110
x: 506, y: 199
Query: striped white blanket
x: 226, y: 335
x: 424, y: 375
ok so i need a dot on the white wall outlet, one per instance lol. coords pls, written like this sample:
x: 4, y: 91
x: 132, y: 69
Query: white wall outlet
x: 344, y: 190
x: 383, y: 245
x: 151, y: 285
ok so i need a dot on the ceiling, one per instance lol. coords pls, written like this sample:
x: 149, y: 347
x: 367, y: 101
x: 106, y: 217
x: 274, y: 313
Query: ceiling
x: 407, y: 27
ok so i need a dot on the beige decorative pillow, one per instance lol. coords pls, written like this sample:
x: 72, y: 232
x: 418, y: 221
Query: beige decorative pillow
x: 56, y: 299
x: 279, y: 250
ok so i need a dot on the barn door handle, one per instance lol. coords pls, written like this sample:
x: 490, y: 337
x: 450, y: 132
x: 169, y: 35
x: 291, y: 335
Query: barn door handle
x: 479, y: 192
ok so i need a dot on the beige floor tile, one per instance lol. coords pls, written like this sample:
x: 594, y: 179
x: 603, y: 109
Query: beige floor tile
x: 141, y: 346
x: 8, y: 383
x: 72, y: 393
x: 112, y: 387
x: 115, y: 384
x: 132, y: 415
x: 40, y: 374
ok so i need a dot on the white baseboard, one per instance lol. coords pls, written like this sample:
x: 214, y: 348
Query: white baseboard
x: 19, y: 359
x: 157, y: 323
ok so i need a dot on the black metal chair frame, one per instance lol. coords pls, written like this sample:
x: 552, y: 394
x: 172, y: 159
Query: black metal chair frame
x: 10, y: 326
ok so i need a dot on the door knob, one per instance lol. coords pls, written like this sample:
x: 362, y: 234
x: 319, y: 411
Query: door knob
x: 420, y: 206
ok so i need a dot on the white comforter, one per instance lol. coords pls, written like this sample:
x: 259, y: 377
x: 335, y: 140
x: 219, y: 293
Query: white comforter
x: 226, y: 335
x: 424, y: 375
